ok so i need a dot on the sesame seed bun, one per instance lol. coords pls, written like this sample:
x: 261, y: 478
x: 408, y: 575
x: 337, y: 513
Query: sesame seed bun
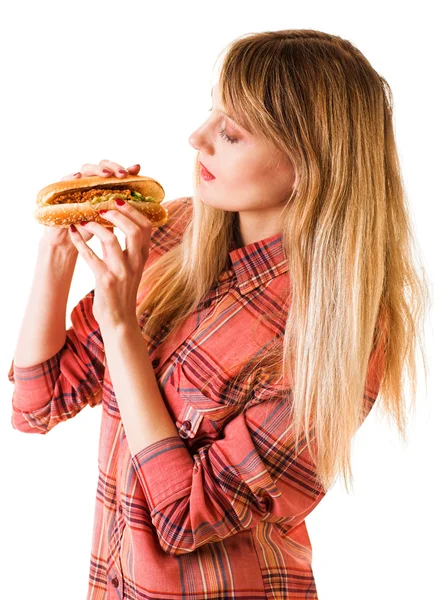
x: 50, y: 211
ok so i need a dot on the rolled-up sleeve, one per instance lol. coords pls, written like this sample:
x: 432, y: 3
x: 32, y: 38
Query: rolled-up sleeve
x: 254, y: 472
x: 58, y: 388
x: 251, y: 474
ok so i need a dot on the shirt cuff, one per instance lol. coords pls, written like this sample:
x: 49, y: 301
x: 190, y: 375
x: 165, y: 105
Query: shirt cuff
x: 165, y: 471
x: 34, y: 385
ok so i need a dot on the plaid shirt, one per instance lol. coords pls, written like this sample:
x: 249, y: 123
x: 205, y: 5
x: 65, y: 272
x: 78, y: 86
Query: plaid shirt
x: 220, y: 511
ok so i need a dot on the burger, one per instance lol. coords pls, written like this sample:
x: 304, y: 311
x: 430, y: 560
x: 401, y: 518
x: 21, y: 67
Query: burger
x: 65, y: 202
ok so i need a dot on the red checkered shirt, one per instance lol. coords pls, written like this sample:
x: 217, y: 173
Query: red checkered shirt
x: 218, y: 512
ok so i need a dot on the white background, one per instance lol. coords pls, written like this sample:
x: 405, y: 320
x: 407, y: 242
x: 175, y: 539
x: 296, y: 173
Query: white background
x: 130, y: 82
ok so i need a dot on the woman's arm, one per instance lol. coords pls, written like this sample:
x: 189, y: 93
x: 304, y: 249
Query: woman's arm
x: 43, y: 329
x: 55, y: 372
x: 58, y: 388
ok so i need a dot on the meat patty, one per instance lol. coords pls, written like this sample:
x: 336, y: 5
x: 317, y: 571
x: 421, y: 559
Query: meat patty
x: 86, y: 195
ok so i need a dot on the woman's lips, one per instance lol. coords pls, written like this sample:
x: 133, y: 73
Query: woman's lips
x: 206, y: 172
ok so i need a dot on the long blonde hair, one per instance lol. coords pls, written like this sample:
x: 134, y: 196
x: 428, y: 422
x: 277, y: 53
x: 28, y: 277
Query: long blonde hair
x: 357, y: 302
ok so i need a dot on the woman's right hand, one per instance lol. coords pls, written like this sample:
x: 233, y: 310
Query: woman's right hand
x: 106, y: 168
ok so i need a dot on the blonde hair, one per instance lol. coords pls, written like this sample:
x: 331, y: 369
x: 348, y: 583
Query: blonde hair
x: 357, y: 301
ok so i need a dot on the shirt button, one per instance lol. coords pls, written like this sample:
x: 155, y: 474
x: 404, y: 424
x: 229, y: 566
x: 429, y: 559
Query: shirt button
x: 155, y: 363
x: 115, y: 581
x: 187, y: 425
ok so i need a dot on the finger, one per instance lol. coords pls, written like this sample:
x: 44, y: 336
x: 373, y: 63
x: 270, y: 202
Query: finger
x: 77, y: 175
x: 134, y: 169
x: 118, y: 170
x: 94, y: 262
x: 110, y: 245
x: 137, y: 233
x: 89, y: 170
x: 132, y: 213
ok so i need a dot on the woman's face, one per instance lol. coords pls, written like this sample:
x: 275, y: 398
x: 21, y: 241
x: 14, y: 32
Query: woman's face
x: 251, y: 176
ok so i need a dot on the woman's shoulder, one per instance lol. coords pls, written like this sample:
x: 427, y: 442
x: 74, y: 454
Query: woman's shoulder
x: 167, y: 236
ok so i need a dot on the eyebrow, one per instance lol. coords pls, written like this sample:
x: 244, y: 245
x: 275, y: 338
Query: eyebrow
x: 226, y: 114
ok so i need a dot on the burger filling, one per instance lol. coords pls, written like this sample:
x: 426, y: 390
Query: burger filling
x: 96, y: 195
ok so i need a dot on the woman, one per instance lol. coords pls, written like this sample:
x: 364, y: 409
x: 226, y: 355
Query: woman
x: 237, y: 349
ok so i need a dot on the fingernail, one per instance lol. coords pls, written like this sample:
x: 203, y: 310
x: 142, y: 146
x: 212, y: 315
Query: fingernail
x: 77, y: 174
x: 119, y: 202
x: 122, y: 171
x: 139, y: 166
x: 73, y: 228
x: 83, y: 222
x: 101, y: 212
x: 107, y: 171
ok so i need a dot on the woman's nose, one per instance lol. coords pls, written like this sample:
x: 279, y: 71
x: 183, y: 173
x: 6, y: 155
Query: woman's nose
x: 192, y: 141
x: 198, y: 141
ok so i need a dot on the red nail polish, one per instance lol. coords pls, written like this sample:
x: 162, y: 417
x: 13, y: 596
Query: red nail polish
x: 83, y: 222
x: 73, y: 227
x: 101, y: 212
x: 119, y: 202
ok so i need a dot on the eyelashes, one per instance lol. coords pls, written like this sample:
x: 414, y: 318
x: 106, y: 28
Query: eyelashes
x: 224, y: 135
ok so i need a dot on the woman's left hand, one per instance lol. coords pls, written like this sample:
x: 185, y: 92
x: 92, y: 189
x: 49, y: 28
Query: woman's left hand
x: 117, y: 276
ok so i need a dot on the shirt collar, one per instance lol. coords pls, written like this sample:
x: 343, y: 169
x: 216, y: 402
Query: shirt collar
x: 258, y: 262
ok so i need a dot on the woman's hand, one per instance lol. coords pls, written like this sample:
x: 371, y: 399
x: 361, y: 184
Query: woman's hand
x: 59, y: 236
x: 119, y: 274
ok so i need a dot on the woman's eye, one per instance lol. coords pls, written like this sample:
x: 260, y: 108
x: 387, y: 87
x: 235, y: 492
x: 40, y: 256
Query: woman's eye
x: 224, y: 135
